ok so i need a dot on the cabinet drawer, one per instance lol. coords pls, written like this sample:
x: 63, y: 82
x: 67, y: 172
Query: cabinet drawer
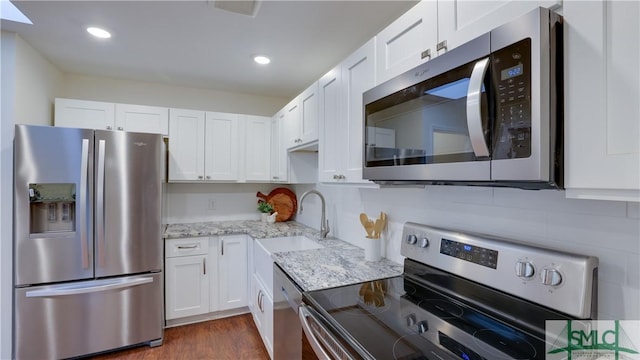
x: 185, y: 247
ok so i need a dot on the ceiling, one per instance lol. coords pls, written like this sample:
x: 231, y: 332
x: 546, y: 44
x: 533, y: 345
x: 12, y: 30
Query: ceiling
x: 196, y: 44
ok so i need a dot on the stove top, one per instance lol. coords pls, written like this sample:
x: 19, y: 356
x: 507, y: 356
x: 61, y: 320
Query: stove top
x: 400, y: 318
x: 446, y: 304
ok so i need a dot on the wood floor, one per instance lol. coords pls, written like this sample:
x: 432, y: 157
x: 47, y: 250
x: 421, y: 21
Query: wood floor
x: 230, y: 338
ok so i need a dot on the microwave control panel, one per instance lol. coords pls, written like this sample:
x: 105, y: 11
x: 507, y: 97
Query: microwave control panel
x: 511, y: 68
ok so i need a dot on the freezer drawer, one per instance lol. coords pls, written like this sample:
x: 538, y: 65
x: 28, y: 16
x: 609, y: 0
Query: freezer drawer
x: 74, y: 319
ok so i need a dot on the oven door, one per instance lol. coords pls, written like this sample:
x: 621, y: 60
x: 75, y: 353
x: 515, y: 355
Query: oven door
x: 432, y: 123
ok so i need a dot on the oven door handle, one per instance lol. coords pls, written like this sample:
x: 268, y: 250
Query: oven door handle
x: 474, y: 109
x: 335, y: 348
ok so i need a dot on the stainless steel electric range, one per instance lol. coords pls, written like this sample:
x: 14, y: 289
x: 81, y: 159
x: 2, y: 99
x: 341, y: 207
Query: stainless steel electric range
x: 461, y: 296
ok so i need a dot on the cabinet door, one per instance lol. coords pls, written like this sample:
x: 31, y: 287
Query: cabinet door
x: 291, y: 124
x: 186, y: 145
x: 145, y: 119
x: 232, y: 271
x: 309, y: 114
x: 602, y: 114
x: 221, y: 146
x: 462, y: 20
x: 358, y: 76
x: 187, y: 286
x: 263, y: 313
x: 331, y: 119
x: 84, y: 114
x: 401, y: 45
x: 257, y: 148
x: 278, y: 150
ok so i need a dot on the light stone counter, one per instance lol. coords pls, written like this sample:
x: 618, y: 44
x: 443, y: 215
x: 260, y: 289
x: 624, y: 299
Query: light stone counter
x: 338, y: 263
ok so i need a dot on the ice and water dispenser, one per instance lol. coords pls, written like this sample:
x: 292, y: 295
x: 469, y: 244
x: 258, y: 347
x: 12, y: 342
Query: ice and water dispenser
x: 52, y: 208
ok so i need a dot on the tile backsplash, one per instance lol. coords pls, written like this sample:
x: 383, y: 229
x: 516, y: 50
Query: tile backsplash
x: 606, y: 229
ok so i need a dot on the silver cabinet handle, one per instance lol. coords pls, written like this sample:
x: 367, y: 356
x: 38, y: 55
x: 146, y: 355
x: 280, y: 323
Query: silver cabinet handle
x: 120, y: 128
x: 204, y: 266
x: 442, y: 45
x: 100, y: 213
x: 276, y: 177
x: 187, y: 246
x: 208, y: 177
x: 109, y: 127
x: 426, y: 54
x: 474, y: 112
x: 200, y: 177
x: 84, y: 174
x: 222, y: 247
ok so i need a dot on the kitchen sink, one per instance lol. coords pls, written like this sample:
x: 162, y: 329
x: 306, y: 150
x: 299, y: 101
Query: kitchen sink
x: 292, y: 243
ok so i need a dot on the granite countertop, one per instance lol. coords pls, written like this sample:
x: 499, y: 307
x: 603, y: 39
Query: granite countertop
x: 338, y: 263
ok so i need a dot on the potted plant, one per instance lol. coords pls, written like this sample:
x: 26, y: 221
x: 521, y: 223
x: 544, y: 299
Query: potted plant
x: 266, y: 209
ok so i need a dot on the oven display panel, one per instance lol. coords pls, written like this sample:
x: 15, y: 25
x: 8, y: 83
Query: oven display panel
x: 475, y: 254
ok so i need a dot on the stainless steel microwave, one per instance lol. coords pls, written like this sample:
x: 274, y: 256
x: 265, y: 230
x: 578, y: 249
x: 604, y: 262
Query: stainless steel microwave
x: 489, y: 112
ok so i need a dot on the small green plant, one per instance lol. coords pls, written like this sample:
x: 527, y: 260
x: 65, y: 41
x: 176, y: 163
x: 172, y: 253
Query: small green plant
x: 265, y: 207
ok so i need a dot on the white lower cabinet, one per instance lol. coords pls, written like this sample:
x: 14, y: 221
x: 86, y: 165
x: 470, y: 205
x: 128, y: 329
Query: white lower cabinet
x: 186, y: 277
x: 232, y: 272
x: 263, y: 312
x: 205, y: 275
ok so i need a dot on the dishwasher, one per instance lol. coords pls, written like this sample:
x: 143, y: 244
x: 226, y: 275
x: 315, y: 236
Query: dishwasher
x: 287, y: 332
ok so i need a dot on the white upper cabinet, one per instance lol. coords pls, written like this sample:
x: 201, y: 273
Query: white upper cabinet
x: 340, y: 110
x: 278, y: 149
x: 84, y: 114
x: 432, y: 27
x: 602, y: 111
x: 140, y: 118
x: 110, y: 116
x: 332, y: 138
x: 301, y: 118
x: 290, y: 123
x: 186, y: 145
x: 203, y: 146
x: 221, y: 146
x: 257, y: 131
x: 462, y: 20
x: 405, y: 43
x: 308, y: 128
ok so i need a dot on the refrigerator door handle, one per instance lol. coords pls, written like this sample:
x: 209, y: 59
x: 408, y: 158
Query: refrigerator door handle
x: 89, y: 287
x: 100, y: 203
x: 84, y: 173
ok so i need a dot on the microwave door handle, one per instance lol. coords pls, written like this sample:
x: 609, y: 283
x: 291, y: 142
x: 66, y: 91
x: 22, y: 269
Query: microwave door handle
x: 474, y: 112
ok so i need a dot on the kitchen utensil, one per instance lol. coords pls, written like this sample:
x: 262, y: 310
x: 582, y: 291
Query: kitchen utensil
x: 284, y: 202
x: 367, y: 224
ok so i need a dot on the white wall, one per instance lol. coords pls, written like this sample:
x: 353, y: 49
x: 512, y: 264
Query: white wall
x: 29, y: 83
x: 154, y: 94
x: 7, y: 110
x: 606, y: 229
x: 38, y: 82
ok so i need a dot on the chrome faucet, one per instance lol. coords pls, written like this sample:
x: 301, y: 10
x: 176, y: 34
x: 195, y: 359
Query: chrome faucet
x: 324, y: 224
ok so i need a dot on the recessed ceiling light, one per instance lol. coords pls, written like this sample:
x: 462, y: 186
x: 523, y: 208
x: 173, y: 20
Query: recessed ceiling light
x: 98, y: 32
x: 261, y: 59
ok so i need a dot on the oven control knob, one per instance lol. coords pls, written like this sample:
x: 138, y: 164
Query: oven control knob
x: 424, y: 242
x: 423, y: 327
x: 411, y: 320
x: 551, y: 277
x: 524, y: 269
x: 412, y: 239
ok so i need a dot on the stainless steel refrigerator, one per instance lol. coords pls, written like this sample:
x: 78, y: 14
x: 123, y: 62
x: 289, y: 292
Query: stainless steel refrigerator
x: 87, y: 241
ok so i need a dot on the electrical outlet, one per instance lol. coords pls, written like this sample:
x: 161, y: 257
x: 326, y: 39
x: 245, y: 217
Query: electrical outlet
x: 212, y: 204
